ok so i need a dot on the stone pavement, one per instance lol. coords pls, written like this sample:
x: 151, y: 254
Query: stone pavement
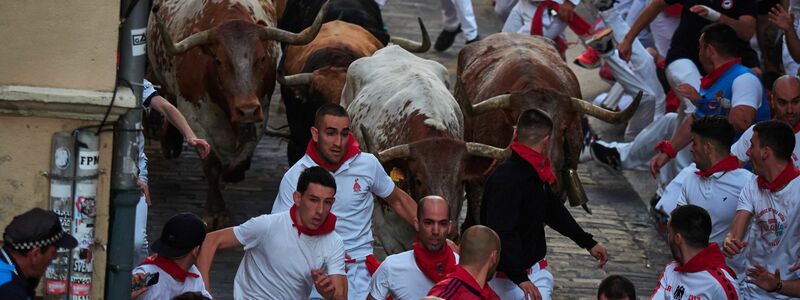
x: 620, y: 219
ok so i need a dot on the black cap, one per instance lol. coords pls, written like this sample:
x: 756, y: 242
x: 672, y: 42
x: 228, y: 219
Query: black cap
x: 37, y: 228
x: 180, y: 235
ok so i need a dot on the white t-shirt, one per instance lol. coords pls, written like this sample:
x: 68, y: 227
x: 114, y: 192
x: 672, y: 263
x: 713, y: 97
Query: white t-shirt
x: 277, y: 261
x: 740, y: 147
x: 167, y: 287
x: 356, y: 180
x: 719, y: 195
x: 704, y: 285
x: 399, y: 277
x: 774, y: 233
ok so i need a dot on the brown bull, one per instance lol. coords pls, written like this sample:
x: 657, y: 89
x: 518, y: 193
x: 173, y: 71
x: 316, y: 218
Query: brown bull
x: 220, y: 72
x: 506, y: 74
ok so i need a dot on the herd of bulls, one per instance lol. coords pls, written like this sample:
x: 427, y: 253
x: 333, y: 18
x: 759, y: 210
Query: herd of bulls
x: 218, y: 60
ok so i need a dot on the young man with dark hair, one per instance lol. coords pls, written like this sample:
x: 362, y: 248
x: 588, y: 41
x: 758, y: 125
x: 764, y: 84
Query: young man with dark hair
x: 288, y: 253
x: 480, y: 253
x: 409, y: 275
x: 518, y: 202
x: 699, y: 270
x: 359, y: 176
x: 616, y: 287
x: 30, y: 243
x: 771, y: 201
x: 176, y: 252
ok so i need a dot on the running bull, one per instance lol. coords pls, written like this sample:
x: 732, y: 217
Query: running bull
x: 217, y: 60
x: 315, y: 73
x: 402, y: 110
x: 506, y: 74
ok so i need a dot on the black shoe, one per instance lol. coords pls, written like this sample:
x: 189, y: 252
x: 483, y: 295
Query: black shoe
x: 477, y: 38
x: 602, y: 41
x: 606, y: 156
x: 603, y: 5
x: 446, y: 39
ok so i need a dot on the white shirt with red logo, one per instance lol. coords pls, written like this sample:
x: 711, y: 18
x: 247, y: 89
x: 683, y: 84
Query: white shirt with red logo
x: 740, y: 147
x: 399, y: 277
x: 703, y: 285
x: 774, y: 233
x: 357, y: 180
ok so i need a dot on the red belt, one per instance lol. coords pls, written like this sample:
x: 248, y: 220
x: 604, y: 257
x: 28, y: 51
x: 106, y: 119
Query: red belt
x: 542, y: 265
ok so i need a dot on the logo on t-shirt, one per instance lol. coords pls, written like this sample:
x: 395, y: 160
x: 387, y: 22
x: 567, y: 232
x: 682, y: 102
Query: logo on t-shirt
x: 678, y: 294
x: 727, y: 4
x: 356, y: 187
x: 772, y: 223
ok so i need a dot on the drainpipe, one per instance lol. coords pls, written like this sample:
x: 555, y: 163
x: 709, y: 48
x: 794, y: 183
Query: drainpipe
x: 124, y: 191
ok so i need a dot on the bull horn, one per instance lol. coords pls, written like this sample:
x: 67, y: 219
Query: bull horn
x: 483, y: 150
x: 604, y: 114
x: 399, y: 151
x: 194, y: 40
x: 575, y: 192
x: 302, y: 38
x: 494, y: 103
x: 412, y: 46
x: 296, y: 79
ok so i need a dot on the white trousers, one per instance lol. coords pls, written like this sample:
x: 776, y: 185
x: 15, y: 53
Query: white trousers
x: 508, y: 290
x: 357, y: 282
x: 459, y: 12
x: 140, y: 245
x: 662, y: 28
x: 521, y: 17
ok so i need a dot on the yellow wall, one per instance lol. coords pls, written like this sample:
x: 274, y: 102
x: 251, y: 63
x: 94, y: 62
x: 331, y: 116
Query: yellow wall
x: 59, y: 43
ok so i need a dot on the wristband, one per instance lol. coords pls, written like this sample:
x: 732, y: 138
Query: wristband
x: 712, y: 15
x: 666, y: 147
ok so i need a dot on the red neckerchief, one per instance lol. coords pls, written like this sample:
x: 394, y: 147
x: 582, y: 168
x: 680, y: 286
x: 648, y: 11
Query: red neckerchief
x: 536, y: 159
x: 169, y: 266
x: 796, y: 127
x: 712, y: 77
x: 787, y: 175
x: 435, y: 265
x: 728, y: 163
x: 326, y: 227
x: 352, y: 150
x: 460, y: 274
x: 708, y: 258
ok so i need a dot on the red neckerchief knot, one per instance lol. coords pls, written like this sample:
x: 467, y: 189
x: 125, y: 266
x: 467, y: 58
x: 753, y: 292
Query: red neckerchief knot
x: 729, y: 163
x: 539, y: 162
x: 787, y: 175
x: 709, y: 80
x: 352, y: 150
x: 435, y: 265
x: 326, y: 227
x: 709, y: 257
x: 169, y: 266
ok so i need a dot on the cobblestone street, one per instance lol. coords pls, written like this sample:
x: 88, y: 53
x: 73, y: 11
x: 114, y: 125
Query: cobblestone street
x: 620, y: 219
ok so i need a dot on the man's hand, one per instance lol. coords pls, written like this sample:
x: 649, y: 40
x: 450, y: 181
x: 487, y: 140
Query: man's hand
x: 135, y: 279
x: 687, y: 91
x: 705, y: 12
x: 530, y: 290
x: 323, y: 283
x: 781, y: 18
x: 566, y: 11
x: 657, y: 162
x: 767, y: 281
x: 624, y: 49
x: 201, y: 145
x: 599, y: 252
x: 145, y: 190
x: 732, y: 246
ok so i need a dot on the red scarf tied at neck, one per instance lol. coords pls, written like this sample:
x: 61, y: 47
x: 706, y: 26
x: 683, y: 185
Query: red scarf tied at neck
x: 706, y: 259
x: 539, y: 162
x: 728, y: 163
x: 796, y: 127
x: 435, y: 265
x: 326, y: 227
x: 352, y: 150
x: 709, y: 80
x: 787, y: 175
x: 169, y: 266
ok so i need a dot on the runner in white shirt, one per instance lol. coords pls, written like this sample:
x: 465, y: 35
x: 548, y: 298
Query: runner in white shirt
x: 176, y: 252
x: 358, y: 176
x: 409, y: 275
x: 770, y: 201
x: 699, y: 270
x: 286, y: 254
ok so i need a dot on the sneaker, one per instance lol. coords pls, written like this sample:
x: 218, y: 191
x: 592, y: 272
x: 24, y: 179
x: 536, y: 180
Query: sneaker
x: 603, y: 41
x: 589, y: 59
x: 446, y: 39
x: 603, y: 5
x: 477, y: 38
x: 607, y: 157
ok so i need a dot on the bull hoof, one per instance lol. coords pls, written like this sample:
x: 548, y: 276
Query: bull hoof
x: 217, y: 220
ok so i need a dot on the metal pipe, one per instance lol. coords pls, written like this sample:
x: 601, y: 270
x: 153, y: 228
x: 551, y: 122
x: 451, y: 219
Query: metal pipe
x: 124, y: 191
